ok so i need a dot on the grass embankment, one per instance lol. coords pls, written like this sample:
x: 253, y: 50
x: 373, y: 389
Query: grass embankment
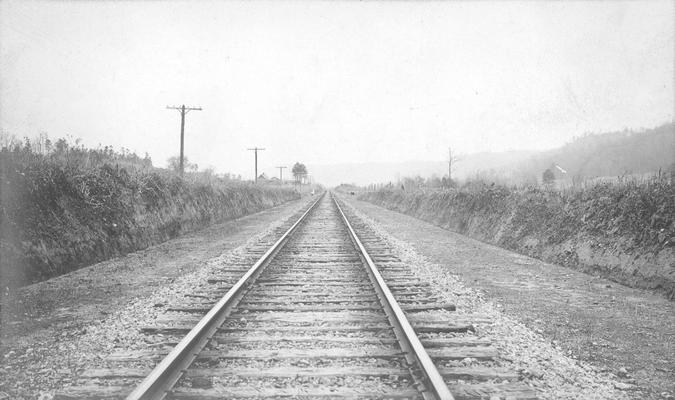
x: 63, y: 206
x: 625, y: 232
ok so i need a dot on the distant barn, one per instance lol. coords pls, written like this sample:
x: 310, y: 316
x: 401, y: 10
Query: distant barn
x: 553, y: 173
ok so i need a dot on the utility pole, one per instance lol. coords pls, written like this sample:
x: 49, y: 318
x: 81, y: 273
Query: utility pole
x: 183, y: 110
x: 281, y: 174
x: 255, y: 150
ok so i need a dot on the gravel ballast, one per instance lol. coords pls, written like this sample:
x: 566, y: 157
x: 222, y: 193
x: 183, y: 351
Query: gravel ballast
x: 558, y: 375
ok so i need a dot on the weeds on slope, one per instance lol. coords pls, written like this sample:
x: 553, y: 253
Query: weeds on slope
x: 64, y: 206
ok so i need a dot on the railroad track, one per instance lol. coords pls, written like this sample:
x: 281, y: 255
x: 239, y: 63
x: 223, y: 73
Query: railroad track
x: 323, y: 312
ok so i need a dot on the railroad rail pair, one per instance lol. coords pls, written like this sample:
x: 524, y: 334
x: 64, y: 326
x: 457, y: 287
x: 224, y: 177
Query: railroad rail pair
x: 171, y: 368
x: 321, y: 308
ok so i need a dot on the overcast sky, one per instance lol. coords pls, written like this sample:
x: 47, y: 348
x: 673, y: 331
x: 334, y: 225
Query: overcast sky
x: 327, y: 82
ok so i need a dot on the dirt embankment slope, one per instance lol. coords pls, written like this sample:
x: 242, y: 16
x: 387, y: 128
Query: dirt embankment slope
x: 57, y: 217
x: 622, y: 232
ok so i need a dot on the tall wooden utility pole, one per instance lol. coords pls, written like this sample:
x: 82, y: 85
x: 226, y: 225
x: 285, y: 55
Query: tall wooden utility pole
x: 183, y: 110
x: 255, y: 150
x: 281, y: 174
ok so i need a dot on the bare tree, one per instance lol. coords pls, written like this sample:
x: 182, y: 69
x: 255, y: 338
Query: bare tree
x: 452, y: 159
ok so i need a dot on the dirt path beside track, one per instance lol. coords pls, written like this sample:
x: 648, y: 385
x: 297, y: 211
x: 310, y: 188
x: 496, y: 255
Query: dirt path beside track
x: 626, y: 331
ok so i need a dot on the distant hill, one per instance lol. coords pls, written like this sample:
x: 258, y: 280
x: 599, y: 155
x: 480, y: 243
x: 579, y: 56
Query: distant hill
x: 588, y: 156
x: 610, y: 154
x: 366, y: 173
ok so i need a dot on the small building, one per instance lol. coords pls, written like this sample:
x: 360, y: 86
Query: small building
x: 553, y: 173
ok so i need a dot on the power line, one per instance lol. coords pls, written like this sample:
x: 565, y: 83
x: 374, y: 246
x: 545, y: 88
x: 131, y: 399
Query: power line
x: 255, y: 150
x: 281, y: 173
x: 183, y: 110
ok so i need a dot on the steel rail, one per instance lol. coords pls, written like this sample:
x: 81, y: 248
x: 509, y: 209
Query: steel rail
x: 165, y: 375
x: 405, y: 333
